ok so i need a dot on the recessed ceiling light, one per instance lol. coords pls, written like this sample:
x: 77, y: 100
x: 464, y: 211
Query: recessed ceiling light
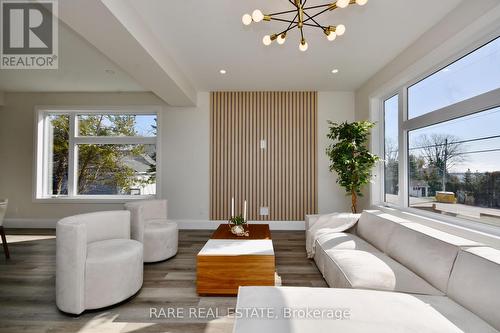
x: 335, y: 71
x: 222, y: 71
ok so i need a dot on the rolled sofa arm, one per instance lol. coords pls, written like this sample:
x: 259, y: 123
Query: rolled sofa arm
x: 71, y: 253
x: 310, y: 220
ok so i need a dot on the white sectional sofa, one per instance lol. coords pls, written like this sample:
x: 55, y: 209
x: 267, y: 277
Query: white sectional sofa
x: 392, y: 276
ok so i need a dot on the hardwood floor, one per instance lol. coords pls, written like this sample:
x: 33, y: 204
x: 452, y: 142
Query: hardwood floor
x: 27, y: 280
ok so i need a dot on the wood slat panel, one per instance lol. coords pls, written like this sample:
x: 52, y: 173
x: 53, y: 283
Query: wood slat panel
x: 283, y: 176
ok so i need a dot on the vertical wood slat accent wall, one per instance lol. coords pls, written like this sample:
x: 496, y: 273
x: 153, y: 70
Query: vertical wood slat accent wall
x: 283, y: 176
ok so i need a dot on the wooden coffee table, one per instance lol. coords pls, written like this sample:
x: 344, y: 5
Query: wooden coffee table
x: 257, y: 231
x: 227, y: 261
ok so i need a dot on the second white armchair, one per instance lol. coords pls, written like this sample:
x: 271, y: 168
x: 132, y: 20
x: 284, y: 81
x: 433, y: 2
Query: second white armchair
x: 149, y: 225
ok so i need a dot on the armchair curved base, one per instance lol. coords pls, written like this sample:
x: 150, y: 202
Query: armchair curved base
x: 160, y: 240
x: 113, y: 272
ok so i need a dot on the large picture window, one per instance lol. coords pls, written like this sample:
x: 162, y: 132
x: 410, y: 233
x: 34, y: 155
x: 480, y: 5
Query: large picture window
x: 454, y: 167
x: 450, y: 127
x: 96, y: 154
x: 474, y: 74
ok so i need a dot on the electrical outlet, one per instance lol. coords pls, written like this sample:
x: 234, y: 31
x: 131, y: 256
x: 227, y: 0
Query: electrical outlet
x: 263, y: 144
x: 264, y: 211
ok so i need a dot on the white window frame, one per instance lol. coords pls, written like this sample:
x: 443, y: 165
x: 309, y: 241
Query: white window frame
x: 464, y: 108
x: 41, y: 155
x: 381, y: 121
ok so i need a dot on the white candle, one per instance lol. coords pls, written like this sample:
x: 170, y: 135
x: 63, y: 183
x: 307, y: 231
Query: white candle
x: 245, y: 211
x: 232, y: 207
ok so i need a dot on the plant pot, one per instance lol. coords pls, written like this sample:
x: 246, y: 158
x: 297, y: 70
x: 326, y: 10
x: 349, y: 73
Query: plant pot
x: 240, y: 230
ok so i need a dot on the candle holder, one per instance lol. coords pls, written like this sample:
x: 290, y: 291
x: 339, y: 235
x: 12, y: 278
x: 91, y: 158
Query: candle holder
x: 238, y: 226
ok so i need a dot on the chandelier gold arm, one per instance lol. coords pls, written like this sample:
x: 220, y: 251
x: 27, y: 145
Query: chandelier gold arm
x: 301, y: 16
x: 332, y: 6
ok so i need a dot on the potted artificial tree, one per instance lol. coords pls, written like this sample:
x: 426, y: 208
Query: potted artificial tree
x: 350, y: 158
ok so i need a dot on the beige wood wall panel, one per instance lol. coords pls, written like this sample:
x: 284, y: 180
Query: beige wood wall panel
x: 283, y: 176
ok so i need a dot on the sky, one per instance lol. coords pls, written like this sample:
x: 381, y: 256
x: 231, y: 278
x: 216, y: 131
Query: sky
x: 143, y: 124
x: 476, y: 73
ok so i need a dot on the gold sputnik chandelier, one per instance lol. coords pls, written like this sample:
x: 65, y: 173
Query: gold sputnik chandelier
x: 303, y: 18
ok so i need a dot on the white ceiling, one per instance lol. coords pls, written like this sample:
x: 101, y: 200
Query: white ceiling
x: 205, y: 36
x: 202, y: 37
x: 81, y: 68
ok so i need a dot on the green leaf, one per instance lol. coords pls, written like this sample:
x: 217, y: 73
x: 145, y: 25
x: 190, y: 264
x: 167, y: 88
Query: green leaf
x: 349, y: 155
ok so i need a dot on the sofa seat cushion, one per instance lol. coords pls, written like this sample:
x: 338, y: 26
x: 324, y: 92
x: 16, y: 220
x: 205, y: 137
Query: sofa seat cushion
x: 113, y: 271
x: 372, y: 270
x: 338, y: 241
x: 160, y: 240
x: 364, y: 311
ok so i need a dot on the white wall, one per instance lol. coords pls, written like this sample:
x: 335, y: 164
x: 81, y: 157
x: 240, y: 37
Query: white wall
x: 185, y: 155
x: 17, y: 136
x: 337, y: 107
x: 469, y: 23
x: 185, y: 160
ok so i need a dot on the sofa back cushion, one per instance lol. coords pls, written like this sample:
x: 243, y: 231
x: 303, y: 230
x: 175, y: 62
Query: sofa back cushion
x: 100, y: 226
x: 154, y: 209
x: 428, y: 252
x: 475, y: 283
x: 375, y: 227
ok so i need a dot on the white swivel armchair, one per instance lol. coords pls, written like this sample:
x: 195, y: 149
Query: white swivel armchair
x: 149, y: 225
x: 97, y: 264
x: 3, y: 210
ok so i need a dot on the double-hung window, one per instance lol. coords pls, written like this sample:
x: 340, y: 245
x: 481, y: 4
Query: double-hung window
x: 441, y: 140
x: 96, y: 153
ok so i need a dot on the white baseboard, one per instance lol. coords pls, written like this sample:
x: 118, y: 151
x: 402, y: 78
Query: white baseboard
x: 183, y: 224
x: 30, y: 223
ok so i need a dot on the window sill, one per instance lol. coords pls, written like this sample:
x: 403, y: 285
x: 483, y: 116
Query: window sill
x: 418, y: 216
x: 94, y: 199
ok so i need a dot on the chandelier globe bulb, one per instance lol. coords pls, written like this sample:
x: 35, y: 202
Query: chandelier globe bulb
x: 340, y: 30
x: 267, y: 40
x: 281, y: 39
x: 246, y: 19
x: 342, y: 3
x: 303, y: 45
x: 257, y: 15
